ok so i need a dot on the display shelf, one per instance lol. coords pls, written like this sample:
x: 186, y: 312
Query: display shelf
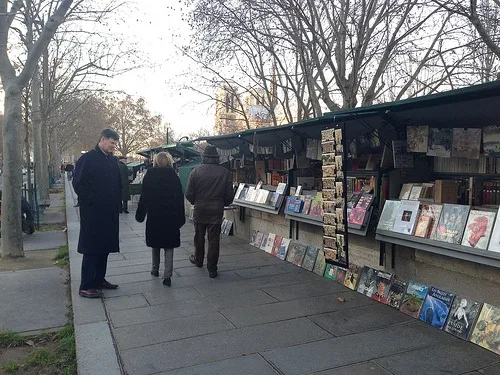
x: 489, y: 258
x: 257, y: 206
x: 362, y: 173
x: 313, y: 220
x: 459, y: 175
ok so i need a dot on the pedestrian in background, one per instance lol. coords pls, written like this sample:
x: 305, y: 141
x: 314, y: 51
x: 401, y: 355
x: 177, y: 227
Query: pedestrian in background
x: 163, y: 203
x: 98, y: 185
x: 124, y: 173
x: 209, y: 189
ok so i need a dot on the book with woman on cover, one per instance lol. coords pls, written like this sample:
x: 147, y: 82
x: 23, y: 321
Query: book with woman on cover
x: 463, y: 315
x: 451, y: 223
x: 436, y: 307
x: 478, y: 229
x: 414, y: 298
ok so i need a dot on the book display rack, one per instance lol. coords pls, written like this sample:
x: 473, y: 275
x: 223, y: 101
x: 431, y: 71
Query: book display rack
x: 259, y: 197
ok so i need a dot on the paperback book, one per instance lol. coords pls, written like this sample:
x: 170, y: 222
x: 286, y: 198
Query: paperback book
x: 283, y: 249
x: 415, y: 192
x: 413, y: 299
x: 422, y: 227
x: 463, y: 315
x: 406, y: 217
x: 486, y: 332
x: 367, y: 281
x: 351, y: 277
x: 451, y: 223
x: 310, y: 257
x: 436, y: 307
x: 478, y: 229
x: 405, y: 191
x: 396, y: 293
x: 388, y: 216
x: 383, y: 283
x: 440, y: 142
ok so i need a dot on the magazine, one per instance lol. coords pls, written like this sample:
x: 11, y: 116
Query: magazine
x: 436, y: 307
x: 463, y: 315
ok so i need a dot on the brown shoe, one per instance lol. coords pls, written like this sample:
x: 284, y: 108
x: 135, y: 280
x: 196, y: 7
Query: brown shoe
x: 90, y: 293
x: 107, y: 285
x: 192, y: 259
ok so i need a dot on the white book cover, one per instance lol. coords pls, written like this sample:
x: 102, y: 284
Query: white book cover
x: 281, y: 188
x: 415, y: 192
x: 406, y: 217
x: 238, y: 192
x: 270, y: 242
x: 250, y: 194
x: 495, y: 235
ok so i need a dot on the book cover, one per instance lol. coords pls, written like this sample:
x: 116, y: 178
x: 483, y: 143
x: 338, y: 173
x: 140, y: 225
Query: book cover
x: 463, y: 315
x: 270, y: 242
x: 451, y: 223
x: 406, y: 217
x: 263, y: 244
x: 331, y: 271
x: 417, y: 138
x: 297, y: 255
x: 228, y: 227
x: 415, y: 192
x: 253, y: 237
x: 478, y: 229
x: 290, y: 203
x: 413, y: 299
x: 466, y: 143
x: 440, y: 142
x: 292, y: 250
x: 351, y: 277
x: 436, y: 307
x: 281, y: 188
x: 367, y: 281
x: 239, y: 190
x: 401, y: 157
x: 276, y: 245
x: 486, y: 332
x: 274, y: 199
x: 491, y: 140
x: 405, y: 191
x: 319, y: 266
x: 341, y: 273
x: 353, y: 201
x: 317, y: 206
x: 307, y: 205
x: 310, y: 257
x: 372, y: 162
x: 243, y: 194
x: 495, y: 235
x: 396, y: 293
x: 388, y: 216
x: 357, y: 216
x: 422, y: 227
x: 383, y: 283
x: 259, y: 238
x: 365, y: 201
x: 284, y: 245
x: 433, y: 211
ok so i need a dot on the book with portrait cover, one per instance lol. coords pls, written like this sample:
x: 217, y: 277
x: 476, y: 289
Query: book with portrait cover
x: 440, y: 142
x: 451, y: 223
x: 276, y: 245
x: 417, y: 138
x: 463, y: 315
x: 478, y: 229
x: 367, y: 281
x: 406, y: 217
x: 382, y: 285
x: 352, y: 276
x: 414, y: 298
x: 331, y: 271
x: 388, y: 215
x: 466, y: 143
x: 270, y: 242
x: 433, y: 211
x: 396, y: 293
x: 319, y: 266
x: 283, y: 250
x: 310, y: 257
x: 486, y: 332
x: 436, y: 307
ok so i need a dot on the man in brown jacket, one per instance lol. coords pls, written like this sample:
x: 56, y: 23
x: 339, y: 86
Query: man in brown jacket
x: 209, y: 188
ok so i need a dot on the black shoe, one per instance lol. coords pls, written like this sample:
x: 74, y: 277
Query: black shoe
x: 192, y: 259
x: 213, y: 274
x: 167, y: 281
x: 90, y: 293
x: 107, y: 285
x: 125, y: 211
x: 155, y: 273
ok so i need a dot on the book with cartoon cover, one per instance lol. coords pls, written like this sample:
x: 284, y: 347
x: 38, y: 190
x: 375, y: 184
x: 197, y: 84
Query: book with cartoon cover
x: 396, y: 293
x: 382, y: 285
x: 486, y: 332
x: 463, y: 315
x: 451, y: 223
x: 388, y: 216
x: 478, y: 229
x: 310, y: 257
x: 283, y: 250
x: 436, y: 307
x: 414, y: 298
x: 367, y: 281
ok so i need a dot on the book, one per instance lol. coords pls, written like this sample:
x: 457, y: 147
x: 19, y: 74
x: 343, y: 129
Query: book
x: 283, y: 250
x: 357, y: 216
x: 495, y: 235
x: 253, y: 237
x: 241, y: 186
x: 290, y: 203
x: 406, y: 217
x: 228, y: 227
x: 414, y: 298
x: 273, y: 200
x: 276, y: 245
x: 307, y: 205
x: 263, y: 244
x: 415, y: 192
x: 451, y: 223
x: 353, y: 201
x: 367, y: 281
x: 365, y: 201
x: 372, y: 162
x: 388, y: 215
x: 433, y: 211
x: 310, y: 257
x: 491, y: 140
x: 351, y: 277
x: 436, y: 307
x: 401, y: 157
x: 440, y: 142
x: 417, y: 138
x: 422, y: 227
x: 258, y: 240
x: 319, y: 266
x: 462, y: 317
x: 270, y: 242
x: 281, y: 188
x: 405, y: 191
x: 383, y: 283
x: 296, y: 253
x: 317, y: 206
x: 478, y: 229
x: 341, y: 273
x: 487, y: 328
x: 396, y: 293
x: 331, y: 271
x: 466, y: 143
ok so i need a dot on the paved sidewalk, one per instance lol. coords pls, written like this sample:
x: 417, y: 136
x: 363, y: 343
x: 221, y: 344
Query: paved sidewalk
x: 260, y: 316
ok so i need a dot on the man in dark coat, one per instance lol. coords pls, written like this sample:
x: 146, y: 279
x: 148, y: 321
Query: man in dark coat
x: 124, y: 173
x: 98, y: 185
x: 209, y: 188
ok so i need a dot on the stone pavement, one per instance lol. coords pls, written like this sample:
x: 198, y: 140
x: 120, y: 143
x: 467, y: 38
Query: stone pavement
x: 260, y: 316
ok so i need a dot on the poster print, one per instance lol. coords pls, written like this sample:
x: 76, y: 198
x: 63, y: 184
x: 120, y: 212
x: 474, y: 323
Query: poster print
x: 417, y: 138
x: 491, y: 140
x: 478, y: 229
x: 466, y: 143
x: 440, y: 142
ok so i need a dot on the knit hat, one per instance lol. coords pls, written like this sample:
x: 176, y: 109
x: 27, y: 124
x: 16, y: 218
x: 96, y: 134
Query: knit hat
x: 210, y: 152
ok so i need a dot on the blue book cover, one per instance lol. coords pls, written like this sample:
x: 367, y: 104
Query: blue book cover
x: 290, y: 203
x: 436, y: 307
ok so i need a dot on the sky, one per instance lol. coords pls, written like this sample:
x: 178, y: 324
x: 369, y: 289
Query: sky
x: 156, y: 29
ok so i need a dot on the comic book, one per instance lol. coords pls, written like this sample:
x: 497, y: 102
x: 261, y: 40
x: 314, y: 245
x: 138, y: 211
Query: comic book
x: 414, y: 298
x: 436, y: 307
x: 396, y: 293
x: 383, y: 283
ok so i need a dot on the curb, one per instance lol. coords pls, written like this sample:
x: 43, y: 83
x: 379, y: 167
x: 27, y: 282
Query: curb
x: 95, y: 350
